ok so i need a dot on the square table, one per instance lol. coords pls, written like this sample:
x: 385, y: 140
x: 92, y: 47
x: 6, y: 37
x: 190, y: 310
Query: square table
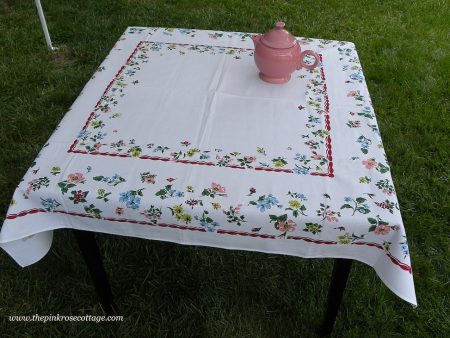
x: 175, y: 138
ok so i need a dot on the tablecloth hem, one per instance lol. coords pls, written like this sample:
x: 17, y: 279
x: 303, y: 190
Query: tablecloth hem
x: 15, y: 253
x: 40, y: 243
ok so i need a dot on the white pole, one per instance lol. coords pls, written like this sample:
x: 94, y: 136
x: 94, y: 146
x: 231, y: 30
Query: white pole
x: 44, y: 26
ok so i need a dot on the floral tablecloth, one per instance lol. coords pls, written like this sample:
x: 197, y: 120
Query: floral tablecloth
x: 175, y: 138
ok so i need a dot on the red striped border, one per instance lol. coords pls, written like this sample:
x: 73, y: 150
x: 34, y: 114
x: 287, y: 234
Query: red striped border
x: 393, y: 259
x: 329, y: 157
x: 327, y: 122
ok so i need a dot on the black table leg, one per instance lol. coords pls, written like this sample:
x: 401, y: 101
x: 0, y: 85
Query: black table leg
x: 91, y: 254
x: 339, y: 278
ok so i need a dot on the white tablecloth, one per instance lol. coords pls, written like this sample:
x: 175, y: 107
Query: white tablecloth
x: 175, y: 138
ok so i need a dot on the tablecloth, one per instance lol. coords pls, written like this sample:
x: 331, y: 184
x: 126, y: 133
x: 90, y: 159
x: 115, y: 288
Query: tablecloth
x: 175, y: 138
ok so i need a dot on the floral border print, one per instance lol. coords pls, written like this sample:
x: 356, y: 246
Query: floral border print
x: 318, y: 162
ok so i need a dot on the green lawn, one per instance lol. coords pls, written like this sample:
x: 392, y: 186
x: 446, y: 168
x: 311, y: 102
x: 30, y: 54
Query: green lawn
x: 170, y: 290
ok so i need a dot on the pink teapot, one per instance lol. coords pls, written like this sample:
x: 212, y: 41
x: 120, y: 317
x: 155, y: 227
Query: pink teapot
x: 278, y: 54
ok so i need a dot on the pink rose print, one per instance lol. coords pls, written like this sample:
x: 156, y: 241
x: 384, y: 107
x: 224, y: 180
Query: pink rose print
x: 382, y: 229
x: 329, y: 216
x: 237, y: 210
x: 149, y: 179
x: 317, y: 157
x: 213, y: 190
x: 288, y: 226
x: 217, y: 188
x: 352, y: 93
x: 119, y: 211
x: 250, y: 159
x: 370, y: 164
x: 97, y: 145
x: 31, y: 184
x: 75, y: 178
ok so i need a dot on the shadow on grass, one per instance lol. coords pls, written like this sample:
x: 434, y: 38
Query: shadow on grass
x: 189, y: 289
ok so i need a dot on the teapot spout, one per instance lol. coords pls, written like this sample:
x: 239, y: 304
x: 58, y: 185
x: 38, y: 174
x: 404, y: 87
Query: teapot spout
x: 256, y: 39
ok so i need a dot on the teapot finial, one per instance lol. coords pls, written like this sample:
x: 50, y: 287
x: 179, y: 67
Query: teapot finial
x: 280, y: 24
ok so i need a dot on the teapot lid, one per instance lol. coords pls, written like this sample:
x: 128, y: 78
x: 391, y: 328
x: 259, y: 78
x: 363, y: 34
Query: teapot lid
x: 278, y: 37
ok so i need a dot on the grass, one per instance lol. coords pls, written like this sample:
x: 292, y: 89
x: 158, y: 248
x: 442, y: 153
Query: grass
x: 168, y: 290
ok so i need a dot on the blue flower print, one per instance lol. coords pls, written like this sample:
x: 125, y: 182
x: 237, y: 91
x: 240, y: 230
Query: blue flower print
x: 83, y: 134
x: 301, y: 170
x: 211, y: 227
x: 266, y: 202
x: 207, y: 222
x: 300, y: 157
x: 131, y: 199
x: 49, y: 204
x: 133, y: 202
x: 357, y: 77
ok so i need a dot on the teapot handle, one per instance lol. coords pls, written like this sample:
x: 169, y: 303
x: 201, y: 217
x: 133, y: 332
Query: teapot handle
x: 311, y: 53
